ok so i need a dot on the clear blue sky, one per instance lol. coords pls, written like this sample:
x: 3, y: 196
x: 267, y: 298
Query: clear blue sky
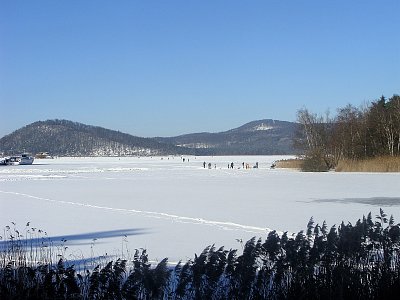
x: 163, y: 68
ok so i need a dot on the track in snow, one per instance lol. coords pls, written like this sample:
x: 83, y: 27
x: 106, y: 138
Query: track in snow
x: 157, y: 215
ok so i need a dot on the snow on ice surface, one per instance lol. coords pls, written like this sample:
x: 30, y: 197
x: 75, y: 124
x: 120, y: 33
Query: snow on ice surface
x: 174, y: 208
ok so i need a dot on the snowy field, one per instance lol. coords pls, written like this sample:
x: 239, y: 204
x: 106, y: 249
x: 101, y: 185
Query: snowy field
x: 174, y: 208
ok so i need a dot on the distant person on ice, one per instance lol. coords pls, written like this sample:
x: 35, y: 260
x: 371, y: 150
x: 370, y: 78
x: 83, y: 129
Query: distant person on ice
x: 231, y: 165
x: 204, y: 165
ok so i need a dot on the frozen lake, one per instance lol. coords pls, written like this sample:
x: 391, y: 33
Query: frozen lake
x: 174, y: 208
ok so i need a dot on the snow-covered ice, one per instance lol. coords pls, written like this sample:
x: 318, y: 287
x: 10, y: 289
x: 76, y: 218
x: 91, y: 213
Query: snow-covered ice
x: 174, y: 208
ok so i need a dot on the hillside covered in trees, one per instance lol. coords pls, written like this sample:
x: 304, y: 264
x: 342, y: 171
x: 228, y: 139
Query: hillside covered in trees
x: 353, y: 134
x: 261, y: 137
x: 66, y: 138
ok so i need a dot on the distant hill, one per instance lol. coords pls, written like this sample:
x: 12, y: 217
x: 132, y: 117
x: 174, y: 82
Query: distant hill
x: 66, y: 138
x: 262, y: 137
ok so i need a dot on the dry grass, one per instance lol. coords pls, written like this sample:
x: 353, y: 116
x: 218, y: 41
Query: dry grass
x: 294, y: 163
x: 378, y: 164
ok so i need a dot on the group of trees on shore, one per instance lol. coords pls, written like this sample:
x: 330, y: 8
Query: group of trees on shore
x: 360, y: 261
x: 354, y: 133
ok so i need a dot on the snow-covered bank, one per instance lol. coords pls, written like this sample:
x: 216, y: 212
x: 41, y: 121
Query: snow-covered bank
x: 175, y: 208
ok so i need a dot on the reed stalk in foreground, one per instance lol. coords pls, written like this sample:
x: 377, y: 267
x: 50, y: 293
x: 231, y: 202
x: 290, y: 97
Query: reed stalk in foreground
x: 360, y: 261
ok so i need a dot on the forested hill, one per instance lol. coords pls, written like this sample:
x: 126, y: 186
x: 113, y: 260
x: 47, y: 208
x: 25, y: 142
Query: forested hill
x: 262, y: 137
x: 66, y: 138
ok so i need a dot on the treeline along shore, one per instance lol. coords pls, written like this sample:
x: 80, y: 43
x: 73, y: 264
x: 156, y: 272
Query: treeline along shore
x: 356, y: 139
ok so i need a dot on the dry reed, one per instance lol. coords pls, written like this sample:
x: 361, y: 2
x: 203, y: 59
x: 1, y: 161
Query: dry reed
x: 294, y: 163
x: 378, y: 164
